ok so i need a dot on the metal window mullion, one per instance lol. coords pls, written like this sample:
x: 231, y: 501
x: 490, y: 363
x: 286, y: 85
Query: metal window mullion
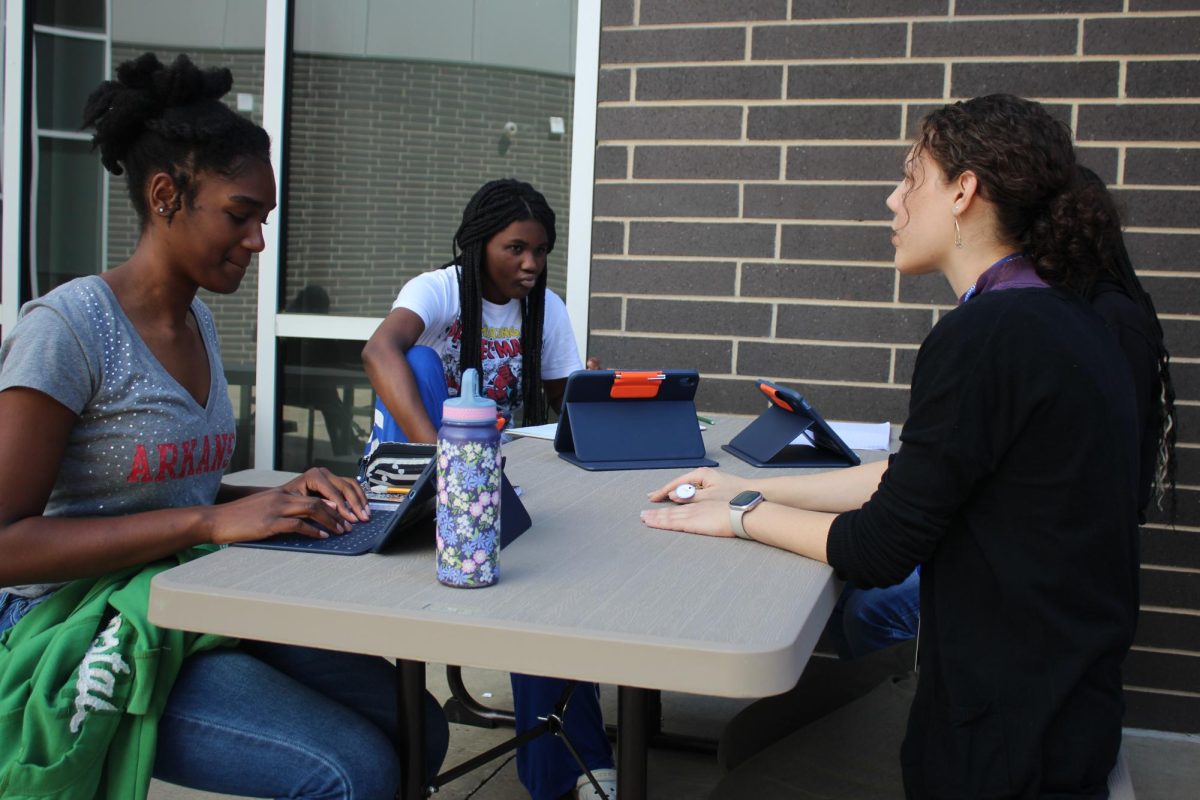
x: 583, y: 156
x: 14, y: 167
x: 275, y: 59
x: 53, y: 133
x: 70, y: 33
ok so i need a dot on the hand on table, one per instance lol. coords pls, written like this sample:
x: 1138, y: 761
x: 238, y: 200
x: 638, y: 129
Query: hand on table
x: 318, y: 497
x: 710, y: 484
x: 706, y: 517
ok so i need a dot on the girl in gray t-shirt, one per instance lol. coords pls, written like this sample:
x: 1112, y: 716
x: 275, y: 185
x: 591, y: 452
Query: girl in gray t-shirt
x: 115, y: 429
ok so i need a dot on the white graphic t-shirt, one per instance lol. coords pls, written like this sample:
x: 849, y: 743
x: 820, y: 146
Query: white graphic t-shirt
x: 433, y: 296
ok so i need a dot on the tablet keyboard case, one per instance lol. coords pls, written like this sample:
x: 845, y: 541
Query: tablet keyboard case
x: 606, y: 433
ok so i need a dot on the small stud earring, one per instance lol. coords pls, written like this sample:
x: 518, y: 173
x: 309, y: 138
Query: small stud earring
x: 162, y: 209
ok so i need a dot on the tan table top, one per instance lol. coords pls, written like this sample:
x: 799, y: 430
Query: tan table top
x: 588, y: 592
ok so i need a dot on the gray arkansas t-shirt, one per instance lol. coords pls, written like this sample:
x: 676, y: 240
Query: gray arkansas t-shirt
x: 142, y: 442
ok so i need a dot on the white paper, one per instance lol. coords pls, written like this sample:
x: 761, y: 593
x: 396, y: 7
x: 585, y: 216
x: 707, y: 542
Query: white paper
x: 857, y: 435
x: 535, y: 431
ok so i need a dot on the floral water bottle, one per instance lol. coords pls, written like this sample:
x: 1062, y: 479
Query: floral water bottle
x: 468, y: 484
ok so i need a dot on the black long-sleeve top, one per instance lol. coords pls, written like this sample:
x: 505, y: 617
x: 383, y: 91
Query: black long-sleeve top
x: 1015, y: 488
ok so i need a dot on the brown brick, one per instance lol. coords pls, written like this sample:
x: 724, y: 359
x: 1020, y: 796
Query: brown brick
x: 1173, y: 295
x: 964, y: 8
x: 700, y: 317
x: 608, y: 237
x: 848, y: 81
x: 853, y: 324
x: 1163, y: 251
x: 824, y: 122
x: 664, y: 12
x: 665, y: 45
x: 1159, y: 208
x: 612, y: 85
x: 709, y: 83
x: 604, y: 313
x: 837, y: 243
x: 806, y: 42
x: 813, y: 362
x: 1141, y: 37
x: 692, y: 122
x: 1000, y: 38
x: 649, y: 352
x: 677, y: 278
x: 1183, y: 340
x: 1037, y: 79
x: 665, y: 200
x: 931, y: 289
x: 1163, y: 712
x: 719, y: 240
x: 808, y: 201
x: 845, y: 162
x: 706, y: 161
x: 810, y: 282
x: 1163, y: 78
x: 819, y: 9
x: 611, y: 162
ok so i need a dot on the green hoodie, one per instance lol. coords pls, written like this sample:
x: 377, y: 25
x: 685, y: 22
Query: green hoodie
x: 84, y: 677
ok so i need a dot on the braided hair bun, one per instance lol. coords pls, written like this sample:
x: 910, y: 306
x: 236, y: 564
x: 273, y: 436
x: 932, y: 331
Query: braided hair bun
x: 154, y: 118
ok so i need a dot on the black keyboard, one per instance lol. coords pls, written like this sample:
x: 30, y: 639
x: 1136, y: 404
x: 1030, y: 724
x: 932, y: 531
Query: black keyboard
x: 362, y: 537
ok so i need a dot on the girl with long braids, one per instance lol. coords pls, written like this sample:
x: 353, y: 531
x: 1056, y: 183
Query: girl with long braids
x: 489, y: 308
x: 115, y: 430
x: 1015, y: 488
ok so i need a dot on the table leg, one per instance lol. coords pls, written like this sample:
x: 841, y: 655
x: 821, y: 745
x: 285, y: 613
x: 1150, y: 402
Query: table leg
x: 410, y: 705
x: 633, y: 729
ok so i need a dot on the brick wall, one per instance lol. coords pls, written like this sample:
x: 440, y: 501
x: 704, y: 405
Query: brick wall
x: 744, y: 154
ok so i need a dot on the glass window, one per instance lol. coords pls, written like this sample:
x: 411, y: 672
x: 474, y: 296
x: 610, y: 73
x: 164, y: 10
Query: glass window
x: 399, y: 111
x: 395, y: 124
x: 69, y: 182
x: 327, y: 401
x: 67, y: 71
x: 83, y: 15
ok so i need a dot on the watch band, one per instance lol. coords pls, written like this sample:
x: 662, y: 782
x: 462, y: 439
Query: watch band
x: 735, y: 521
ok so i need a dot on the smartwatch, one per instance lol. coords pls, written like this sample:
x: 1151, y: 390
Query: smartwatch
x: 741, y: 503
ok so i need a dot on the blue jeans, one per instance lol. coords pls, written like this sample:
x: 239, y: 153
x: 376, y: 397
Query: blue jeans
x: 866, y: 620
x: 268, y: 720
x: 430, y: 376
x: 545, y: 767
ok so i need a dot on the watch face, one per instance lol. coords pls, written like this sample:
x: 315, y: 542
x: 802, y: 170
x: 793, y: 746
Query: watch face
x: 745, y: 499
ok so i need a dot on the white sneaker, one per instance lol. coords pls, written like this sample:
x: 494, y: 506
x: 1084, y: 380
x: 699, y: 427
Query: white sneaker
x: 607, y: 778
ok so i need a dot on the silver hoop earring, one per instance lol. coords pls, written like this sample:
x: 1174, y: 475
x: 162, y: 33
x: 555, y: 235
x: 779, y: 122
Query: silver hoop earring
x: 958, y: 240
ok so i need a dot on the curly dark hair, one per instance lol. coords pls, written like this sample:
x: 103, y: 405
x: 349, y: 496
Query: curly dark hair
x: 1054, y: 210
x: 1025, y: 163
x: 1114, y: 267
x: 493, y: 208
x: 154, y: 118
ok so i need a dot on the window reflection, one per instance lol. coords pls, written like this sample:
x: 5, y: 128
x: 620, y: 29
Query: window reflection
x: 396, y: 123
x: 81, y: 15
x: 326, y: 399
x: 69, y: 183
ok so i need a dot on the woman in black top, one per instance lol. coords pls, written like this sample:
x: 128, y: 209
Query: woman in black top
x: 1015, y: 486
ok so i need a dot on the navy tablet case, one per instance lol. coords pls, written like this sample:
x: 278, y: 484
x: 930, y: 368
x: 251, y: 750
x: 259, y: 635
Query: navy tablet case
x: 388, y: 518
x: 618, y: 419
x: 767, y: 441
